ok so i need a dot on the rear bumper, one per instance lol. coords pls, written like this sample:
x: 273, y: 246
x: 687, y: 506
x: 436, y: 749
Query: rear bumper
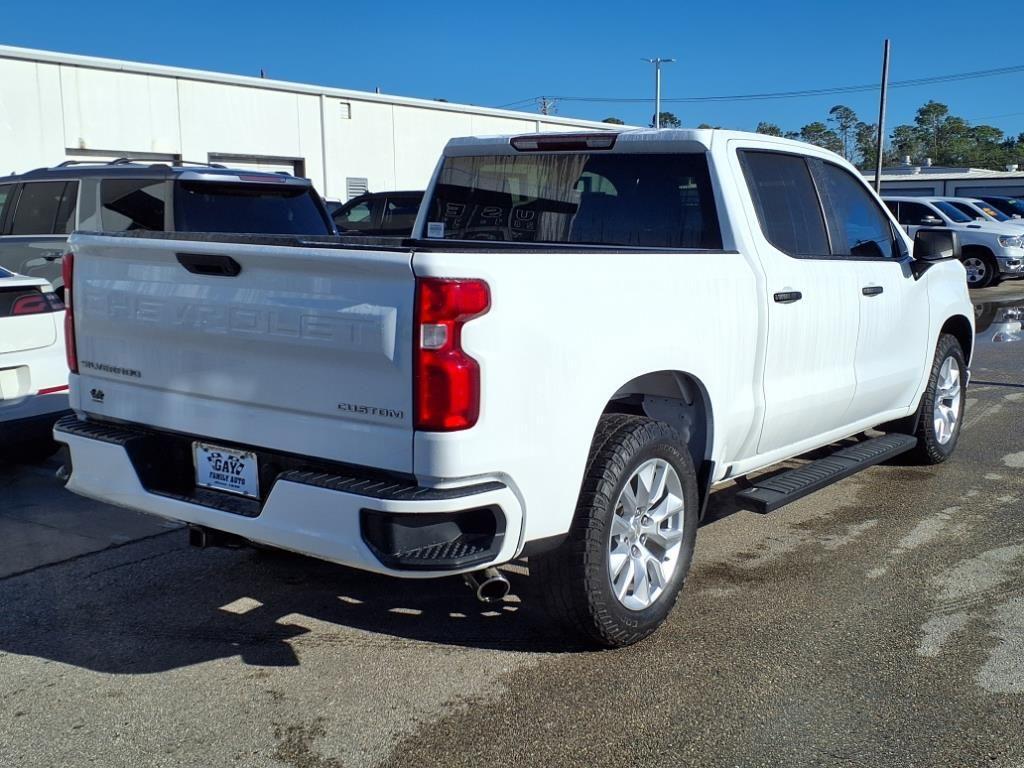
x: 387, y: 526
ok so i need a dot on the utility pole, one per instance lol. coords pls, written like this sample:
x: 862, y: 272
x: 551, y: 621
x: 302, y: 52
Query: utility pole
x: 657, y: 87
x: 881, y: 117
x: 546, y: 106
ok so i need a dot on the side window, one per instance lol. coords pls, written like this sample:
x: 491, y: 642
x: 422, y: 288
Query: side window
x: 859, y: 227
x: 128, y: 205
x: 65, y: 223
x: 359, y: 217
x: 37, y: 208
x: 786, y: 202
x: 914, y: 214
x: 6, y: 196
x: 400, y: 215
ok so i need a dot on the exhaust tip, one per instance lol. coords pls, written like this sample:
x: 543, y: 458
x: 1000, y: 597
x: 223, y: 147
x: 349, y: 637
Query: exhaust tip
x: 492, y: 590
x: 489, y: 585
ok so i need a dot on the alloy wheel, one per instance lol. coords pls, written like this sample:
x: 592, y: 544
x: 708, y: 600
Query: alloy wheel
x: 646, y: 534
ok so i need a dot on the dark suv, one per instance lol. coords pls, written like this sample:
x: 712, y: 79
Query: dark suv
x: 39, y: 209
x: 379, y: 213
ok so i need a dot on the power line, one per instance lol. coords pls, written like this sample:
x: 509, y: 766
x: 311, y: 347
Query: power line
x: 797, y: 94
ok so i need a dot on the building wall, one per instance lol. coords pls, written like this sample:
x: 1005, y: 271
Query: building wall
x: 55, y: 107
x: 958, y: 187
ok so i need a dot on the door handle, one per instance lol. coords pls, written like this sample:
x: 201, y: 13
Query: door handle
x: 53, y: 255
x: 787, y: 297
x: 214, y: 264
x: 871, y: 290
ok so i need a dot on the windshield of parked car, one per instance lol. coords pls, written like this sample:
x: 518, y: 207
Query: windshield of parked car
x: 952, y: 212
x: 988, y: 210
x: 268, y: 209
x: 644, y: 200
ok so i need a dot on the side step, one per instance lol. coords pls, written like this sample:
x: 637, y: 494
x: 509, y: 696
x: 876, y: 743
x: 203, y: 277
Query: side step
x: 778, y: 491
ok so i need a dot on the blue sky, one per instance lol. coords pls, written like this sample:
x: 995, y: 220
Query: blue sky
x: 495, y: 53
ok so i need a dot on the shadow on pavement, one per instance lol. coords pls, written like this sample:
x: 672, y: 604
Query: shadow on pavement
x: 171, y: 607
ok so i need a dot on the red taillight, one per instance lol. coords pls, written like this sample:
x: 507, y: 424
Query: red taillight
x: 34, y: 304
x: 447, y: 380
x: 68, y: 272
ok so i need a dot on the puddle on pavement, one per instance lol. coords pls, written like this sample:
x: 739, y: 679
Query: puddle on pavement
x: 999, y: 320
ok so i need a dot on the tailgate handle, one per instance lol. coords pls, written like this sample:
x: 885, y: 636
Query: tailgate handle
x: 209, y: 264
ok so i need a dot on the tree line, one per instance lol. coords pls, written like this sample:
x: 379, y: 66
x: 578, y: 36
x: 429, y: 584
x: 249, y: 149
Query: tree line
x: 945, y: 138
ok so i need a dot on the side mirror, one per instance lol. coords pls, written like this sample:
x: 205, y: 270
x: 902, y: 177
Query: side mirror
x: 932, y: 221
x: 932, y: 245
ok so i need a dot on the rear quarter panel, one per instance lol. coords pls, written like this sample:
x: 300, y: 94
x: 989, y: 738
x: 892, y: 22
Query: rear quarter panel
x: 565, y: 331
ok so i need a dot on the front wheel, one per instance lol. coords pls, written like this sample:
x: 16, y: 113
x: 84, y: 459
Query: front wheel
x: 982, y: 270
x: 940, y: 415
x: 617, y: 576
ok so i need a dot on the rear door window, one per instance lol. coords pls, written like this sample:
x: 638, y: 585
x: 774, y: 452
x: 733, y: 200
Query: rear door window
x: 129, y: 205
x: 254, y: 208
x: 37, y: 209
x: 639, y: 200
x: 786, y: 201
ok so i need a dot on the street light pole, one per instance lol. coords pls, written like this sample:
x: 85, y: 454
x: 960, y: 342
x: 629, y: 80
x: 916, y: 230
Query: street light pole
x: 657, y: 62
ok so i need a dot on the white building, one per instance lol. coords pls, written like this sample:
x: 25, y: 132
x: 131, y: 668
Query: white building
x: 940, y: 181
x: 56, y: 107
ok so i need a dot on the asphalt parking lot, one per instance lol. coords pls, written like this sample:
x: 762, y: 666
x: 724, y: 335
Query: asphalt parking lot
x: 877, y: 623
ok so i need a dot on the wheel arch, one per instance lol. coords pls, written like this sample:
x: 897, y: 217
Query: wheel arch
x: 681, y: 400
x: 960, y: 328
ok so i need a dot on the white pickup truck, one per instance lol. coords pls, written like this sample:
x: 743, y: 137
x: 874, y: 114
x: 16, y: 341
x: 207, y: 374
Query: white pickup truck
x: 586, y: 334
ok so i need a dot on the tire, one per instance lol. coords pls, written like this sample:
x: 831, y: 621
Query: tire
x: 982, y: 269
x: 934, y: 446
x: 576, y: 581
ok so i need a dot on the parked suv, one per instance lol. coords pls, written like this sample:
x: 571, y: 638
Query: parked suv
x: 39, y: 209
x: 990, y: 250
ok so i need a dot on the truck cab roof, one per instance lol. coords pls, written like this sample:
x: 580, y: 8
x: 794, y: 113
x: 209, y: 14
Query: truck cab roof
x: 630, y: 140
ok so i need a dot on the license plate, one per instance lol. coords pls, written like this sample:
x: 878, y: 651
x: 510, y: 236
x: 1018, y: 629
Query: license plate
x: 224, y: 469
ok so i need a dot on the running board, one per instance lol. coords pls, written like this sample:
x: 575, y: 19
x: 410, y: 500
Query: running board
x: 778, y: 491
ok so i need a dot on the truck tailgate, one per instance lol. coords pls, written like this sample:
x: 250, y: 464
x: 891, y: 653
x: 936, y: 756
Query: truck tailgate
x: 306, y: 350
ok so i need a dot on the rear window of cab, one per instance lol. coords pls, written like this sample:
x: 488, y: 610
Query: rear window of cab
x: 586, y: 198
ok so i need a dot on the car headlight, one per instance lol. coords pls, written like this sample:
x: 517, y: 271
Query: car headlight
x: 1011, y: 241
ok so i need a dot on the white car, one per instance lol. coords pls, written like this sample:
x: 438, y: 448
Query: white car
x: 571, y: 353
x: 990, y: 250
x: 981, y: 211
x: 33, y: 367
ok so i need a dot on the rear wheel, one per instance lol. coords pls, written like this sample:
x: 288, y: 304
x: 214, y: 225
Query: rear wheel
x: 617, y: 576
x: 982, y: 270
x: 941, y: 412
